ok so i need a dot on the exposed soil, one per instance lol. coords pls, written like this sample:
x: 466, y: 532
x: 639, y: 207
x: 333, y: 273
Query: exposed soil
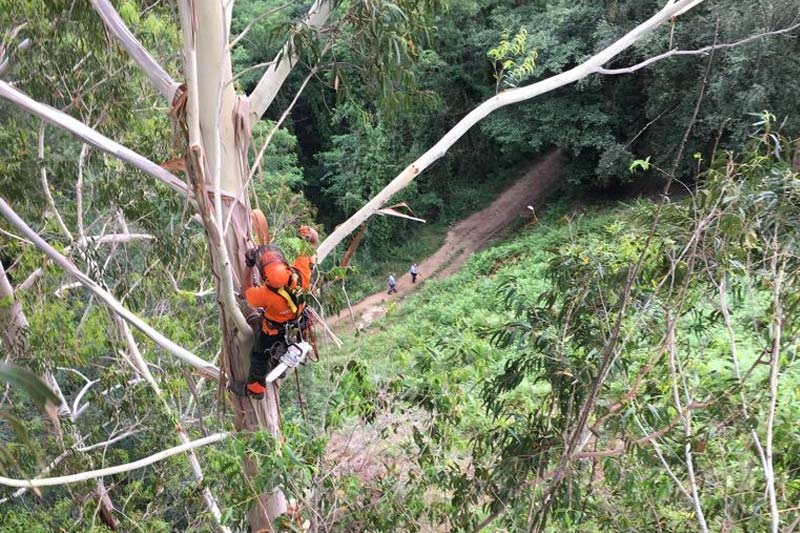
x: 465, y: 238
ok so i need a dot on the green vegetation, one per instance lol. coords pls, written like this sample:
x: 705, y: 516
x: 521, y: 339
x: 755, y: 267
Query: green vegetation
x: 614, y: 367
x: 496, y: 363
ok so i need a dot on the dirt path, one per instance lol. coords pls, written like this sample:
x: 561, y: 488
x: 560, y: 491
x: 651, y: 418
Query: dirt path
x: 466, y: 237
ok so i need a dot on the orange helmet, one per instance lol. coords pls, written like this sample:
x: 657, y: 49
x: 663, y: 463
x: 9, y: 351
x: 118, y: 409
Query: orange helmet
x: 276, y: 274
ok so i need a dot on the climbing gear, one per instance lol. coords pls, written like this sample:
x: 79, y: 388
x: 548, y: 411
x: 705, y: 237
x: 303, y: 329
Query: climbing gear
x: 250, y: 257
x: 296, y: 348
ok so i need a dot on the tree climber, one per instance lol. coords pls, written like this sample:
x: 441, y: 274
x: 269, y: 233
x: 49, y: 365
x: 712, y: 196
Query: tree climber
x: 277, y: 295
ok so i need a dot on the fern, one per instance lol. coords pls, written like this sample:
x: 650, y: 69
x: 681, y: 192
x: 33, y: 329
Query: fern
x: 513, y: 59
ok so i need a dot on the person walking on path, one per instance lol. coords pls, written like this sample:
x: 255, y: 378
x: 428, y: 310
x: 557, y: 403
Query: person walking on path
x: 392, y: 284
x: 414, y: 273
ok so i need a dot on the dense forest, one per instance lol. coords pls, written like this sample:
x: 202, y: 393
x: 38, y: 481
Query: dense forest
x: 621, y: 357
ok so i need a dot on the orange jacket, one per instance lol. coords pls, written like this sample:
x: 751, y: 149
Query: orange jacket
x: 276, y: 308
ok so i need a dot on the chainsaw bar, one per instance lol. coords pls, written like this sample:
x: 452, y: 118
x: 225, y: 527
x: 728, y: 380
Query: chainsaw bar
x: 295, y: 355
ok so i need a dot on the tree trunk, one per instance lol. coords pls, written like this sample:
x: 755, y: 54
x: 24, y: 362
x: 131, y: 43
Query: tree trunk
x: 219, y: 135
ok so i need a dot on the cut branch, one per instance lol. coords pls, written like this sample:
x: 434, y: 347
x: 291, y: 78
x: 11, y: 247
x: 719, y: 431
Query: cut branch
x: 162, y: 81
x: 93, y: 474
x: 275, y: 76
x: 501, y: 100
x: 90, y: 136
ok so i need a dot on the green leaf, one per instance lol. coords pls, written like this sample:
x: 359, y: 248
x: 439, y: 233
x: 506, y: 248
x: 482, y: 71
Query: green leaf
x: 29, y: 383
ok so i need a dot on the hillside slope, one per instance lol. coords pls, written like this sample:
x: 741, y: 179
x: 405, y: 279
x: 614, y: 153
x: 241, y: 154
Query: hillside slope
x: 466, y: 237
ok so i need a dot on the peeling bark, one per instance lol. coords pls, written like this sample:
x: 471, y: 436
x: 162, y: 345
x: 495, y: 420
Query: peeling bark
x: 214, y: 162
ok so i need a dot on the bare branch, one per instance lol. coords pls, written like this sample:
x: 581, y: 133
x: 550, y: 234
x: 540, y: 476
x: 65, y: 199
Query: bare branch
x: 178, y: 351
x: 700, y: 51
x: 79, y: 195
x: 253, y: 22
x: 162, y: 81
x: 116, y: 238
x: 109, y: 442
x: 7, y: 62
x: 93, y: 474
x: 55, y: 462
x: 46, y: 187
x: 498, y: 101
x: 687, y: 426
x: 774, y: 363
x: 275, y: 76
x: 90, y: 136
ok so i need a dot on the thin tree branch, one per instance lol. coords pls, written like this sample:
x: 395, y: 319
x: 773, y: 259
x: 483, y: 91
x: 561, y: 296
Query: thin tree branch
x: 12, y: 318
x: 687, y: 426
x: 6, y: 62
x: 700, y: 51
x: 257, y: 163
x: 54, y: 463
x: 172, y: 348
x: 112, y: 440
x: 774, y: 369
x: 46, y: 187
x: 93, y: 474
x: 79, y: 196
x: 277, y: 125
x: 90, y: 136
x: 253, y: 22
x: 162, y: 81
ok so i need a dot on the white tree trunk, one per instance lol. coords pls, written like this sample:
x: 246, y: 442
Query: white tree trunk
x: 219, y: 136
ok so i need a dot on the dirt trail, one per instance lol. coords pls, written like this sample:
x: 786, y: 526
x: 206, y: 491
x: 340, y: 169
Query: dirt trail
x: 466, y: 237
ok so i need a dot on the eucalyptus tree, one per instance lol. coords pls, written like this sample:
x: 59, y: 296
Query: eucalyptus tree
x: 214, y: 125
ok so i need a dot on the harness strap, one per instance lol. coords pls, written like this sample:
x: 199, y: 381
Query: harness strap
x: 290, y: 301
